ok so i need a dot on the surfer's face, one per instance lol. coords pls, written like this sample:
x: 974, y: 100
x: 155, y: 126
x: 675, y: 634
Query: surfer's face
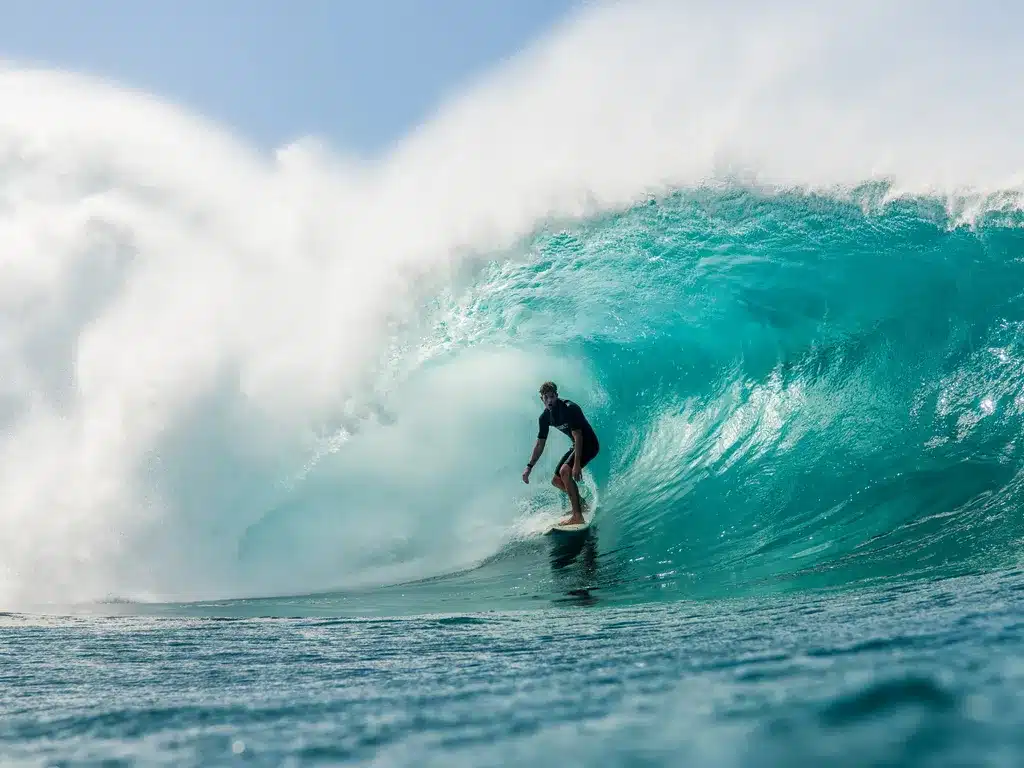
x: 549, y: 399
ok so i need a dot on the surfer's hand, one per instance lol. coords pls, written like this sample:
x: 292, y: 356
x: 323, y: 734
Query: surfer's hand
x: 577, y: 473
x: 526, y: 475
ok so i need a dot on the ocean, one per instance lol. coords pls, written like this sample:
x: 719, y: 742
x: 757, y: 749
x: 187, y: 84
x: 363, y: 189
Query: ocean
x: 264, y: 420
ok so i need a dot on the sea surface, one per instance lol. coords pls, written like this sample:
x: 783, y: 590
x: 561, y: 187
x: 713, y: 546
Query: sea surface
x: 927, y: 673
x: 264, y: 415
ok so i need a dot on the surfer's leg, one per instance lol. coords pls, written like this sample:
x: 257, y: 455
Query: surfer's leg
x: 557, y: 479
x: 565, y: 473
x: 557, y: 482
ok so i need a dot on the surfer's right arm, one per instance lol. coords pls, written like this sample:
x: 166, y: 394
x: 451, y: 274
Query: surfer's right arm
x: 543, y: 425
x: 538, y: 449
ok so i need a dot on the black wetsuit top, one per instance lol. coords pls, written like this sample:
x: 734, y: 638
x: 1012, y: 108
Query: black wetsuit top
x: 566, y: 416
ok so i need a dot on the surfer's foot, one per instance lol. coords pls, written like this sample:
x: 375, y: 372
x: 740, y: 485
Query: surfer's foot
x: 574, y: 520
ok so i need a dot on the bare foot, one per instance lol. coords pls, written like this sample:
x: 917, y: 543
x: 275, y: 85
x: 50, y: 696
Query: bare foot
x: 572, y: 520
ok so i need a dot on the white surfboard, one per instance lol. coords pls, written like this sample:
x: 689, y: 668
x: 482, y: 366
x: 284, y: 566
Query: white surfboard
x: 588, y: 494
x: 572, y: 528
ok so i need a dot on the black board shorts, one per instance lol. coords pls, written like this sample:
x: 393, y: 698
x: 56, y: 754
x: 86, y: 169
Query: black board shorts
x: 590, y: 450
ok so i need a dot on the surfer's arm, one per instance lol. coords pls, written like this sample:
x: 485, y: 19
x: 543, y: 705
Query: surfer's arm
x: 576, y: 426
x: 538, y: 449
x: 543, y: 425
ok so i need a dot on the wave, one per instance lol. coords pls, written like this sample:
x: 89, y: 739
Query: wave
x: 778, y: 270
x: 802, y: 393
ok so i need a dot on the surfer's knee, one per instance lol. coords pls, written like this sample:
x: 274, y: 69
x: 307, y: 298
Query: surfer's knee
x: 564, y: 473
x: 557, y: 482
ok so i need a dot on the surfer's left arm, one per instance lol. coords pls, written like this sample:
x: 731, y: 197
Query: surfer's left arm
x: 576, y: 426
x: 577, y: 444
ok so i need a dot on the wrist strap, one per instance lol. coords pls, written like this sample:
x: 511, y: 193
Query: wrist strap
x: 529, y: 464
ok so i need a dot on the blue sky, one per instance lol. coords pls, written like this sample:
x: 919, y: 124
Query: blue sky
x: 358, y: 73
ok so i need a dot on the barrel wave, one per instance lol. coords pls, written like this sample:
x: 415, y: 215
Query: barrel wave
x: 774, y: 252
x: 792, y: 390
x: 797, y: 390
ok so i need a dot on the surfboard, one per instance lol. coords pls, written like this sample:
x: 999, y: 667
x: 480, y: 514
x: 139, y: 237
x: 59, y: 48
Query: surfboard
x: 570, y: 529
x: 590, y: 499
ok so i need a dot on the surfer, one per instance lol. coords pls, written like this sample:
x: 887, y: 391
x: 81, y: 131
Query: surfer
x: 568, y: 418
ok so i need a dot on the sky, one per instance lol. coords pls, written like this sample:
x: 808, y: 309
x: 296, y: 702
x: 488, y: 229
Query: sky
x: 358, y: 73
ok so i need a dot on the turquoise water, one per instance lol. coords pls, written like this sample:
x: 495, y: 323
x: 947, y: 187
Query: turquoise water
x: 807, y: 533
x: 792, y: 391
x: 264, y: 414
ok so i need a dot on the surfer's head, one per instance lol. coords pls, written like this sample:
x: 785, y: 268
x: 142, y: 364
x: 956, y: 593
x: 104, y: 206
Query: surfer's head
x: 549, y: 393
